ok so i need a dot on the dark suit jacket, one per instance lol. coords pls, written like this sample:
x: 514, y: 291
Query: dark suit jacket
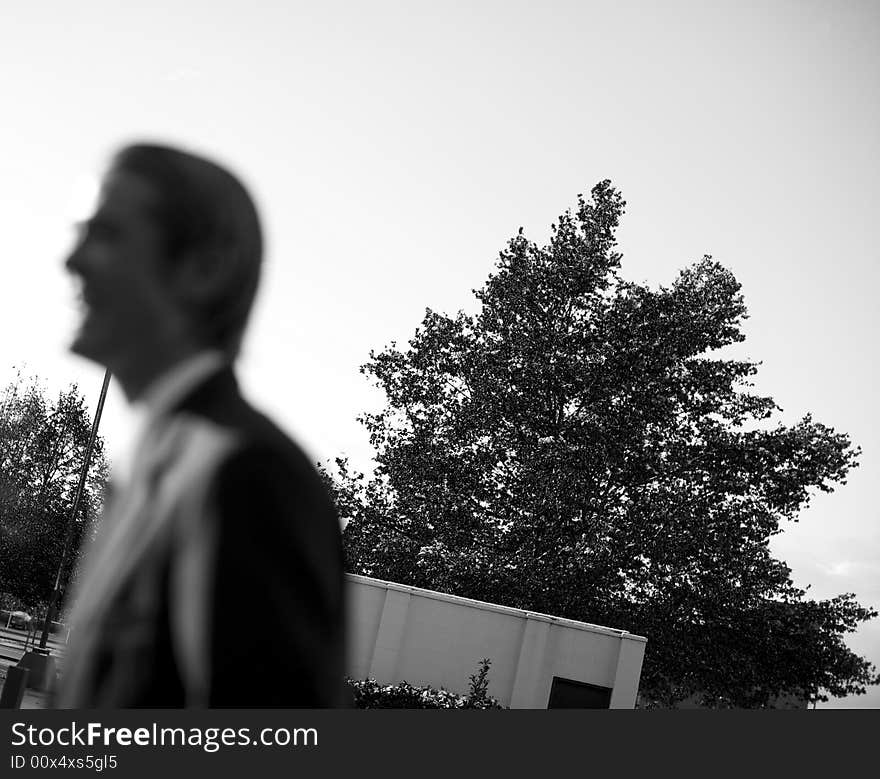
x: 226, y: 588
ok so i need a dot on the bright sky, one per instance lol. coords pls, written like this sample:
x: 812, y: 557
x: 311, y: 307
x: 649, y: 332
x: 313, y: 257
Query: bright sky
x: 395, y: 147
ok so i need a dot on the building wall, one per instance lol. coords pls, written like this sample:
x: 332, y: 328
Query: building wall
x: 399, y: 633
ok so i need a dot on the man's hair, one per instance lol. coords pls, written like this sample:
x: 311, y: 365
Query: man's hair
x: 203, y: 209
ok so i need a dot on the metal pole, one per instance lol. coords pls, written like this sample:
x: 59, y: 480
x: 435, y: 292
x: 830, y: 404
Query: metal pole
x: 71, y: 523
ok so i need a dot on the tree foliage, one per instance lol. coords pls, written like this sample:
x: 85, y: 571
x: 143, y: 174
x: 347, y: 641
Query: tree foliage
x: 584, y: 447
x: 42, y: 447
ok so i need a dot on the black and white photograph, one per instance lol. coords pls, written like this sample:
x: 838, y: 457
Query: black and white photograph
x: 408, y: 355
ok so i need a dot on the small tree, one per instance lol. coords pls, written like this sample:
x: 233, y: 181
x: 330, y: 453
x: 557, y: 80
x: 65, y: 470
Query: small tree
x: 478, y: 693
x: 42, y: 445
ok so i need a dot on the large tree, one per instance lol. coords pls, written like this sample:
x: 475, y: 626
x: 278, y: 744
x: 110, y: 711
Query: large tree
x: 42, y: 447
x: 584, y: 447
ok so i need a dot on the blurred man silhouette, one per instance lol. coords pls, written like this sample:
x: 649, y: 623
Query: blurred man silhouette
x: 216, y: 579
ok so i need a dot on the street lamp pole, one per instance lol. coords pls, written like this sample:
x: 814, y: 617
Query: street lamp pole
x: 71, y: 522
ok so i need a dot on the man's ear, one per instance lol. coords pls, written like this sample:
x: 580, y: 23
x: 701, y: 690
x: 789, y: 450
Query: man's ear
x: 200, y: 275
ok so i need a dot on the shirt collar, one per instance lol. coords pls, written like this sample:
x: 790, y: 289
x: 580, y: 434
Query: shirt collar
x: 162, y: 395
x: 165, y: 392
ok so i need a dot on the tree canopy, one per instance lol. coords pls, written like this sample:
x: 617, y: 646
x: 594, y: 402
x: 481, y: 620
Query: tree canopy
x: 42, y: 446
x: 583, y: 447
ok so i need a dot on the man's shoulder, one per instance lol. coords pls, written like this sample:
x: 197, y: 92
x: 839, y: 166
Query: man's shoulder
x: 249, y: 477
x: 265, y: 452
x: 242, y: 458
x: 218, y: 405
x: 257, y: 452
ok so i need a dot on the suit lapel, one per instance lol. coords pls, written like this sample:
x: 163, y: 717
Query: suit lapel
x: 133, y: 522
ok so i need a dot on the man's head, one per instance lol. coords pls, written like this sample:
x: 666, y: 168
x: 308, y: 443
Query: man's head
x: 170, y: 259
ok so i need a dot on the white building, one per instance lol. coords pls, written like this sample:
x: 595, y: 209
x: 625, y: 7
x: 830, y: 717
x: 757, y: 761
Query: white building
x: 399, y: 633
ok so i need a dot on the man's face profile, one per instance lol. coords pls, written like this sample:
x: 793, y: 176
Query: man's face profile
x: 120, y: 262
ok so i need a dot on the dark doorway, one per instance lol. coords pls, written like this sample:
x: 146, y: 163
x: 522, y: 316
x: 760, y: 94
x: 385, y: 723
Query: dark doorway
x: 569, y: 694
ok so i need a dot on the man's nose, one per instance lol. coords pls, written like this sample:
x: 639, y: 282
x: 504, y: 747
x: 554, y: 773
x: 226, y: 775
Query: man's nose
x: 75, y: 261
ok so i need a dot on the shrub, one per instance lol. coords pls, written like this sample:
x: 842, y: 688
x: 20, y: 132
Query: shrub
x: 370, y: 694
